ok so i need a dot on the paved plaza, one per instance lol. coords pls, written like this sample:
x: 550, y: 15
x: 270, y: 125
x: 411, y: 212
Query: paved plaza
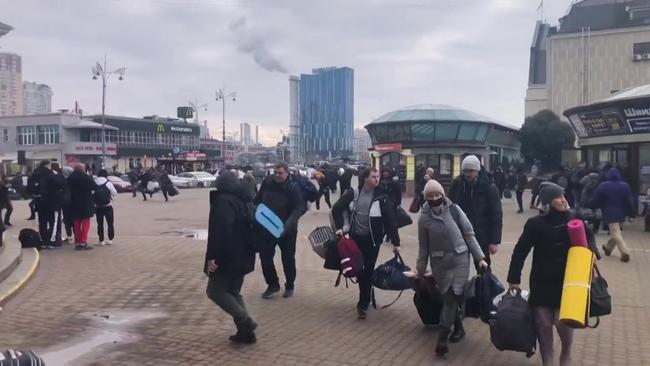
x: 142, y: 302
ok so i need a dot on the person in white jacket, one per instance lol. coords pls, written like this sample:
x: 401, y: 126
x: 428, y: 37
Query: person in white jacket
x: 104, y: 195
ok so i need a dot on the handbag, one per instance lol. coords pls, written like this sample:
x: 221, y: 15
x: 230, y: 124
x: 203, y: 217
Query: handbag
x: 600, y: 301
x: 390, y: 275
x: 402, y: 218
x: 415, y: 204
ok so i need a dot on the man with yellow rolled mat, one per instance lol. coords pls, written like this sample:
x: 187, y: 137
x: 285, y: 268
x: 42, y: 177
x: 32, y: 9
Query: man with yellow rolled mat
x: 548, y: 235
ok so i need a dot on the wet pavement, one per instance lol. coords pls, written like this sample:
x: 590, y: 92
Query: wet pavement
x: 142, y: 301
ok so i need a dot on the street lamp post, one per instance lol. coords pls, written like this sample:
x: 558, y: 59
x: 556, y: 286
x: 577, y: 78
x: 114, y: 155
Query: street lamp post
x: 102, y: 71
x: 222, y: 95
x: 196, y: 106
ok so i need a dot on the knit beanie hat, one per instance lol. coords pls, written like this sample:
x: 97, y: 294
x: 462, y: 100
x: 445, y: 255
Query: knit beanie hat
x: 432, y: 187
x: 549, y: 191
x: 471, y: 162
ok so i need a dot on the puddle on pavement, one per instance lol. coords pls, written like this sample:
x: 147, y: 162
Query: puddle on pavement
x: 108, y: 328
x: 198, y: 234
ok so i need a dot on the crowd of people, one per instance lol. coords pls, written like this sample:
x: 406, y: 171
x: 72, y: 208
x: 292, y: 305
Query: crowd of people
x: 454, y: 227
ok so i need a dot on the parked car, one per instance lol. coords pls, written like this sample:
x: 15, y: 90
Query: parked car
x: 205, y: 179
x: 120, y: 185
x: 184, y: 182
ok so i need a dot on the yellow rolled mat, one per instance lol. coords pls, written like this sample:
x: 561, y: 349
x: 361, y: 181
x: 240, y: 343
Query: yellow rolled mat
x: 574, y: 308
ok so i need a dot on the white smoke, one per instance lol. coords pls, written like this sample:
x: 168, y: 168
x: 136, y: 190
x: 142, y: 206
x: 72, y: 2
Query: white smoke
x: 249, y: 41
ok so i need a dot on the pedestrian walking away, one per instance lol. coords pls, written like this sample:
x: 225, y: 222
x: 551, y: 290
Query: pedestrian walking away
x: 548, y: 237
x: 520, y: 186
x: 82, y: 204
x: 391, y: 186
x: 230, y: 255
x: 166, y: 185
x: 104, y: 196
x: 614, y: 198
x: 285, y: 199
x: 479, y: 199
x: 5, y: 202
x: 323, y: 189
x: 446, y: 239
x: 372, y: 218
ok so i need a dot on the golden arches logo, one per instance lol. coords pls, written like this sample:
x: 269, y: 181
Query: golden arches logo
x: 160, y: 128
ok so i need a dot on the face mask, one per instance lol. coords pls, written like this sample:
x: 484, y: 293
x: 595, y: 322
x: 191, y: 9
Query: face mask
x: 436, y: 202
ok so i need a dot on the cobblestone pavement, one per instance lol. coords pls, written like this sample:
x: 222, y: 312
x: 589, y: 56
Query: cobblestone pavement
x: 151, y: 287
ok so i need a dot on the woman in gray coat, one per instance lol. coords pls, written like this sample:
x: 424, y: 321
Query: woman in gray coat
x: 446, y: 238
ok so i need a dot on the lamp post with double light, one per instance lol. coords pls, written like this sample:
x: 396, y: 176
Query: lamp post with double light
x: 100, y: 71
x: 222, y: 95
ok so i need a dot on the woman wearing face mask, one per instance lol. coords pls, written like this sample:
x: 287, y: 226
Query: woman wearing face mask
x: 548, y: 235
x: 446, y: 238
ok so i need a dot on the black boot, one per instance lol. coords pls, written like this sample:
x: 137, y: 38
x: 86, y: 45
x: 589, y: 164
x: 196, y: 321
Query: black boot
x: 441, y: 347
x: 459, y: 331
x: 245, y: 332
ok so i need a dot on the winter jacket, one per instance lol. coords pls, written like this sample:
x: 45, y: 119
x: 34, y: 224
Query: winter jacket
x: 445, y: 245
x: 57, y: 193
x: 36, y: 183
x: 589, y: 184
x: 82, y: 186
x: 382, y: 216
x: 614, y: 197
x: 522, y: 182
x: 391, y: 187
x: 229, y: 228
x: 4, y: 196
x: 331, y: 178
x: 99, y: 181
x: 481, y: 203
x: 548, y: 236
x: 165, y: 182
x: 500, y: 179
x: 284, y: 199
x: 345, y: 180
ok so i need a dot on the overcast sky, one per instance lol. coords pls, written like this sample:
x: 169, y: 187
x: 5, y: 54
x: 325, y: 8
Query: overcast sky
x: 472, y: 54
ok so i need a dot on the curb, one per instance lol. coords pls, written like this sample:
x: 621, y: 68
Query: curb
x: 4, y: 297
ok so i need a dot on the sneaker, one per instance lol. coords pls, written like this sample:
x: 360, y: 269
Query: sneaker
x: 101, y: 243
x: 625, y: 258
x: 243, y: 338
x: 361, y: 312
x: 520, y: 211
x: 110, y: 242
x: 270, y: 291
x: 288, y: 292
x: 607, y: 251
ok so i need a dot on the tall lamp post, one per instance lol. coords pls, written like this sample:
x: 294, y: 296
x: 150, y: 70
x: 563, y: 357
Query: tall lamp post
x: 222, y: 95
x: 196, y: 106
x: 102, y: 71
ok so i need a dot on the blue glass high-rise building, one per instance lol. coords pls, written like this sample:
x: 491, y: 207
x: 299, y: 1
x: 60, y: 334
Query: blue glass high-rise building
x: 326, y: 113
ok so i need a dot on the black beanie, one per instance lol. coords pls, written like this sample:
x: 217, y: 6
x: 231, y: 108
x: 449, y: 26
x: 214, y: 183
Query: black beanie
x: 549, y: 191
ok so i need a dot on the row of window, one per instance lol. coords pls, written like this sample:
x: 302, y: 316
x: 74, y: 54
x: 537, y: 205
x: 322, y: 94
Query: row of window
x: 144, y: 139
x: 428, y: 131
x: 37, y: 135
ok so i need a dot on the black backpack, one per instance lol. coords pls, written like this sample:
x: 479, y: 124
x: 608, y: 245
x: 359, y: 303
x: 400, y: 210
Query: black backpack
x: 29, y: 238
x: 102, y: 195
x: 307, y: 189
x: 512, y: 328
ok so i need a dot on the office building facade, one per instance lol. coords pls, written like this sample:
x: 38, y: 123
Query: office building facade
x: 326, y: 119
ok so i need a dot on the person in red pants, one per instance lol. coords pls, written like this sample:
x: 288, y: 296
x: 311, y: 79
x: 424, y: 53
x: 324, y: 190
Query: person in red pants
x: 82, y: 206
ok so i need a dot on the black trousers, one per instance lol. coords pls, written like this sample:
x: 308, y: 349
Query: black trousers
x: 49, y: 226
x: 370, y: 253
x: 323, y: 191
x: 9, y: 207
x: 67, y: 222
x: 105, y: 213
x: 32, y: 208
x: 520, y: 199
x: 287, y: 244
x: 224, y: 289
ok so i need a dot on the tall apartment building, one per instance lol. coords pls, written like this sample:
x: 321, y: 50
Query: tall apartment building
x: 37, y: 98
x: 599, y: 47
x: 326, y: 113
x: 245, y: 135
x: 257, y: 135
x: 361, y: 145
x: 294, y: 120
x: 11, y: 85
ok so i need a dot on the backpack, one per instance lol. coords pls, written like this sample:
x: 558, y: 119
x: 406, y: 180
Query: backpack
x: 29, y: 238
x: 307, y: 188
x: 102, y: 195
x: 512, y: 328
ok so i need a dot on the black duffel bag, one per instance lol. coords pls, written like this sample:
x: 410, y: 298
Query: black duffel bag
x: 480, y: 293
x: 390, y: 275
x: 600, y: 301
x: 512, y: 328
x: 427, y: 300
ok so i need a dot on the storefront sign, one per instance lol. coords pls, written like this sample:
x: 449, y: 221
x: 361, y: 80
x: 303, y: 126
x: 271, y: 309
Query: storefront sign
x: 628, y: 117
x: 89, y: 148
x: 384, y: 148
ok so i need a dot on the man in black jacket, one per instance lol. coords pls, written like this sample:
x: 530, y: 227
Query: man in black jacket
x: 371, y: 219
x: 479, y: 198
x: 37, y: 187
x: 229, y: 255
x: 345, y: 180
x: 391, y: 186
x: 283, y: 197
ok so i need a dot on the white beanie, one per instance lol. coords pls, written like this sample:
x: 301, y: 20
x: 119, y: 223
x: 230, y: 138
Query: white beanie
x: 433, y: 186
x: 471, y: 162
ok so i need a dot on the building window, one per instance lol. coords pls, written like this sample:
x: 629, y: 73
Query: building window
x: 6, y: 135
x: 48, y: 135
x: 641, y: 51
x: 26, y: 135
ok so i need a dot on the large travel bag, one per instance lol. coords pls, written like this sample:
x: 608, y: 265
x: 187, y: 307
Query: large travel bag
x: 512, y: 328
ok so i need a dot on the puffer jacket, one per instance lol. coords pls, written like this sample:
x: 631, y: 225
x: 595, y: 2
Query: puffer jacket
x: 481, y: 203
x: 444, y: 245
x: 614, y: 197
x: 284, y: 199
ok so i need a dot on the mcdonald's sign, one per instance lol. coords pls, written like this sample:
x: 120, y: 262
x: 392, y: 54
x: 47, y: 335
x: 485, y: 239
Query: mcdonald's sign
x: 160, y: 128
